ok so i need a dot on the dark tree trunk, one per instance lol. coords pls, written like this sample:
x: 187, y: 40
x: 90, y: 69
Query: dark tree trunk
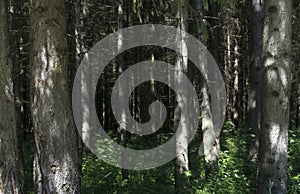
x: 11, y: 179
x: 19, y: 50
x: 256, y: 73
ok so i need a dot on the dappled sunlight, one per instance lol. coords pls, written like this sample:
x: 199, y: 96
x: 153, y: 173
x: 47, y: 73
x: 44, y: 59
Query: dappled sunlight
x: 139, y: 96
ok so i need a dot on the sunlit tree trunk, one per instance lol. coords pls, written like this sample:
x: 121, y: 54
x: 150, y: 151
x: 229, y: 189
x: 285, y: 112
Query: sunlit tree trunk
x: 231, y: 32
x: 56, y: 163
x: 11, y: 179
x: 181, y: 67
x: 228, y: 58
x: 272, y: 175
x: 211, y: 145
x: 122, y: 128
x: 236, y: 73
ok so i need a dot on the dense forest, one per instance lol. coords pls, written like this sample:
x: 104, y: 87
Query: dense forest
x: 149, y: 96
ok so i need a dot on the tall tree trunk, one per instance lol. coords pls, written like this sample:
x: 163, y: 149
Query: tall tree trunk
x: 272, y: 175
x: 228, y: 58
x: 122, y: 128
x: 256, y: 73
x: 11, y: 179
x: 56, y: 163
x: 74, y: 52
x: 211, y: 144
x: 210, y: 147
x: 181, y: 67
x: 236, y: 73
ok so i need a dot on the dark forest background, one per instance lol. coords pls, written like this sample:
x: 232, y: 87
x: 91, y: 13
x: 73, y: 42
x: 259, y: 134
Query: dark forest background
x: 255, y: 44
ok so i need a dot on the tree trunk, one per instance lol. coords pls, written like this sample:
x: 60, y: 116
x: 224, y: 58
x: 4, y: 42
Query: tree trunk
x: 210, y: 147
x: 236, y: 73
x: 74, y: 59
x: 181, y: 67
x: 272, y: 175
x: 11, y: 180
x: 256, y: 73
x: 122, y: 128
x: 56, y: 163
x: 228, y: 58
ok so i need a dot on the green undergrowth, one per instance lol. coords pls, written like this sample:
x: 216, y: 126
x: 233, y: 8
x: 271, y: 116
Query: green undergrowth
x: 235, y: 174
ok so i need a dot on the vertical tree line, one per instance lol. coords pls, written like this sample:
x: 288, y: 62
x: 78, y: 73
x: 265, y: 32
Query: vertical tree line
x: 255, y: 44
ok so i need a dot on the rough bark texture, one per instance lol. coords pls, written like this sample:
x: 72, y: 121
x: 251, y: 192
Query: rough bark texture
x: 210, y: 145
x: 256, y: 73
x: 181, y: 66
x: 74, y: 52
x: 19, y: 49
x: 272, y: 174
x: 10, y: 162
x: 56, y: 163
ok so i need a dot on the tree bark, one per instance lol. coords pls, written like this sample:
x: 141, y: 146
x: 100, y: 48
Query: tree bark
x: 11, y: 179
x: 56, y: 163
x: 272, y: 175
x: 210, y: 147
x: 228, y: 58
x: 256, y: 73
x: 236, y: 73
x: 19, y: 49
x: 181, y: 67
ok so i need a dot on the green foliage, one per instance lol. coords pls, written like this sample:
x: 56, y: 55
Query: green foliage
x: 293, y: 162
x: 99, y: 177
x: 228, y: 126
x: 235, y: 174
